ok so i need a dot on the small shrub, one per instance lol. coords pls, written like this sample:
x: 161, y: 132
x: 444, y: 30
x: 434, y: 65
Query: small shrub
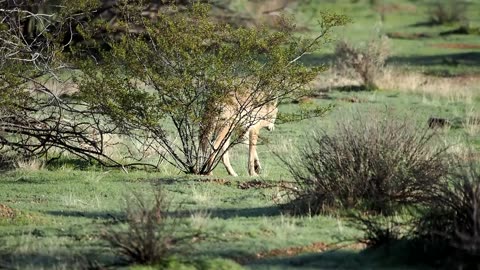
x: 151, y: 236
x: 366, y: 62
x: 379, y: 230
x: 369, y: 163
x: 450, y: 225
x: 447, y: 12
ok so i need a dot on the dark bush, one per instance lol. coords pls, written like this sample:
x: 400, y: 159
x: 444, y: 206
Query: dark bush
x: 371, y: 162
x: 447, y: 12
x: 450, y: 226
x: 379, y: 230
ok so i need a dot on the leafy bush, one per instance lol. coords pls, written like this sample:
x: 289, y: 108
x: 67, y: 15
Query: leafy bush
x: 366, y: 62
x: 447, y: 12
x: 219, y: 74
x: 450, y: 225
x: 369, y: 162
x: 151, y: 237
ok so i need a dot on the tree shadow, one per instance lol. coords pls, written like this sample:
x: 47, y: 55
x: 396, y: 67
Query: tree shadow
x: 350, y: 88
x: 424, y: 24
x: 222, y: 213
x: 228, y: 213
x: 381, y: 258
x: 453, y: 59
x: 61, y: 259
x: 87, y: 214
x: 471, y: 58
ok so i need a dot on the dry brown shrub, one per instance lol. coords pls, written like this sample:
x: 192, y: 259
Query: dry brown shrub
x: 371, y: 162
x: 364, y: 62
x: 151, y: 235
x: 447, y: 12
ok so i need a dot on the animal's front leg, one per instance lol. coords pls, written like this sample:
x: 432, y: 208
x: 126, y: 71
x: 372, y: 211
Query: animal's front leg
x: 228, y: 166
x: 226, y: 159
x: 252, y: 153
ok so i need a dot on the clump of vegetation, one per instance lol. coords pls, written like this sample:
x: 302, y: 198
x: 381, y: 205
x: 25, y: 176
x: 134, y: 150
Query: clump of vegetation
x: 371, y: 162
x: 364, y: 62
x: 450, y: 225
x: 379, y: 230
x: 193, y: 64
x: 151, y: 236
x: 448, y: 12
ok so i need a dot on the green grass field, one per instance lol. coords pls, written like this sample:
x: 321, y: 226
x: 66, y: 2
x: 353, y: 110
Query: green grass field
x: 61, y: 210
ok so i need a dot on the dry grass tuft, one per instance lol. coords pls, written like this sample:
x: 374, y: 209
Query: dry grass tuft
x: 30, y: 165
x: 461, y: 88
x: 6, y: 211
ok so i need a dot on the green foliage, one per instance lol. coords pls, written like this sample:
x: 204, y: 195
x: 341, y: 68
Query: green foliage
x: 185, y: 70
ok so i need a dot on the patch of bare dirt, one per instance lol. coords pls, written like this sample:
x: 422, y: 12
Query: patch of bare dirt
x: 395, y: 7
x: 456, y: 46
x: 293, y: 251
x: 6, y: 211
x: 316, y: 247
x: 352, y: 99
x: 400, y: 35
x: 249, y: 184
x: 303, y: 100
x: 219, y: 181
x: 261, y: 184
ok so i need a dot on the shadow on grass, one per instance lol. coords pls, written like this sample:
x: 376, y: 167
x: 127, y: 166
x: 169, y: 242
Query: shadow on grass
x: 325, y: 260
x: 223, y: 213
x: 56, y: 260
x: 227, y: 213
x: 383, y: 258
x: 346, y: 88
x: 86, y: 214
x: 471, y: 58
x: 453, y: 59
x: 424, y: 24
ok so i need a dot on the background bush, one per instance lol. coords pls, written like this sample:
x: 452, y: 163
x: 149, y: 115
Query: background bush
x: 364, y: 62
x: 370, y: 162
x: 447, y: 12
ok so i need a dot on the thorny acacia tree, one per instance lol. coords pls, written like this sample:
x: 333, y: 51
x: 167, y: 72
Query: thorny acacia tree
x: 171, y: 81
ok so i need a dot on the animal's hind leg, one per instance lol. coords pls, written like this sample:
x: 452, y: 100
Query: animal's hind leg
x: 256, y: 163
x: 252, y: 155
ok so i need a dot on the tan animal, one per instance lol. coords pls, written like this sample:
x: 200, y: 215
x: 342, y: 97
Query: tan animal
x: 241, y: 115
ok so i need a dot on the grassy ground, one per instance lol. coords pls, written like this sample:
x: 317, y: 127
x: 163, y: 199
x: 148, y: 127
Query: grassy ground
x: 61, y: 211
x: 448, y: 54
